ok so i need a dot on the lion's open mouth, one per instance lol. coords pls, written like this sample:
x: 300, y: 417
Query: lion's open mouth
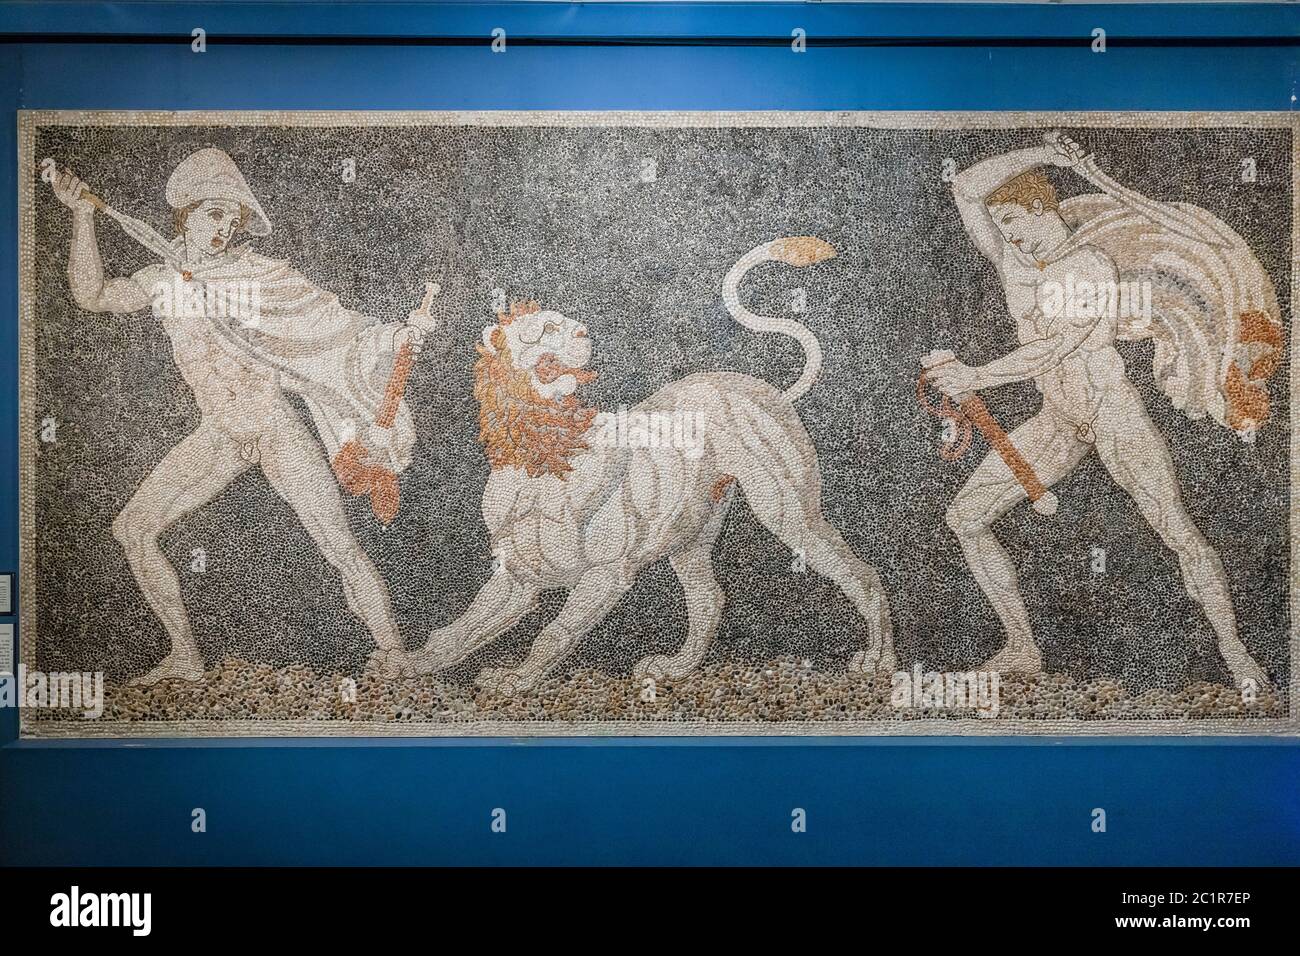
x: 548, y: 369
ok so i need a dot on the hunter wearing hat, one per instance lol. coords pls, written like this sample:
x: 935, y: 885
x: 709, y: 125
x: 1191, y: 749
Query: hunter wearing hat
x: 245, y: 329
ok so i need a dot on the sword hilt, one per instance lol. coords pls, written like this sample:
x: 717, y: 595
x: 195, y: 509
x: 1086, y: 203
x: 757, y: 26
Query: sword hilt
x: 46, y: 169
x: 1040, y: 499
x: 94, y: 200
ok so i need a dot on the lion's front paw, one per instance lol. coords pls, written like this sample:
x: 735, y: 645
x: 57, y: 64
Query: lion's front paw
x: 872, y: 661
x: 504, y: 681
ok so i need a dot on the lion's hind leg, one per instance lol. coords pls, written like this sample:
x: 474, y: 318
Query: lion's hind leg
x: 829, y: 555
x: 794, y: 515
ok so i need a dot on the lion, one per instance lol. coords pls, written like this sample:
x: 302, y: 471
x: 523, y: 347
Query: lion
x: 572, y: 502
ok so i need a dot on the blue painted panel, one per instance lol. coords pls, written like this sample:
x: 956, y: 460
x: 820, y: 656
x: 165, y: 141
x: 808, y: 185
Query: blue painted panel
x: 895, y: 801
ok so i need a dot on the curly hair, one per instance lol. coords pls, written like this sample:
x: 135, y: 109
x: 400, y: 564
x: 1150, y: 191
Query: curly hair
x: 1024, y: 190
x: 518, y: 427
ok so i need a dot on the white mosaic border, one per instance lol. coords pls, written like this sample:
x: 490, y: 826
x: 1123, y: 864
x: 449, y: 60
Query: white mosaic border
x: 30, y: 120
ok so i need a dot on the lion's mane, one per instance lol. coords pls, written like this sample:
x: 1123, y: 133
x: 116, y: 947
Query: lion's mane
x: 519, y: 428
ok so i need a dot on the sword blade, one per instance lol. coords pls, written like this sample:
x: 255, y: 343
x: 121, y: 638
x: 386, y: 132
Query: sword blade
x: 143, y: 233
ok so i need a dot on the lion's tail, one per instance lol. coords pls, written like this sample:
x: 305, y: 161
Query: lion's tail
x: 796, y: 251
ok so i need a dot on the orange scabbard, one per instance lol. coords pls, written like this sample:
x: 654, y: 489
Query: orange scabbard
x: 971, y: 410
x: 402, y: 366
x: 352, y: 465
x: 979, y: 415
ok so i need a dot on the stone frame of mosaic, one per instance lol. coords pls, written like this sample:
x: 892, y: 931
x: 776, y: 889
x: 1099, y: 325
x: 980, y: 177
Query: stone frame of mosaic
x: 850, y: 566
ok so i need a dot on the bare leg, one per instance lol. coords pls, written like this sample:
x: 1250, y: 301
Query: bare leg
x: 591, y: 599
x: 188, y: 477
x: 499, y: 605
x: 295, y: 466
x: 1051, y: 448
x: 1137, y: 457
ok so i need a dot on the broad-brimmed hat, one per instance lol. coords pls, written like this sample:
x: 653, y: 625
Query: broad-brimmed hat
x: 211, y: 174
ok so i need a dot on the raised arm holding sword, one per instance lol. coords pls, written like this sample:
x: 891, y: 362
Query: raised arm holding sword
x: 1059, y: 280
x: 245, y: 330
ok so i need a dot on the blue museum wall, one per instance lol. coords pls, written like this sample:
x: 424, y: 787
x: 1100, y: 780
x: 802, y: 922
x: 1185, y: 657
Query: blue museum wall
x: 653, y: 801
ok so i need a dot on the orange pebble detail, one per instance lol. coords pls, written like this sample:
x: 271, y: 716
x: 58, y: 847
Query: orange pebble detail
x: 359, y: 477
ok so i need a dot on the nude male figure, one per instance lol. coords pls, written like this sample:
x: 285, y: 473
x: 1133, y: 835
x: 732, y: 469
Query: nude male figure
x: 1067, y: 349
x: 245, y: 419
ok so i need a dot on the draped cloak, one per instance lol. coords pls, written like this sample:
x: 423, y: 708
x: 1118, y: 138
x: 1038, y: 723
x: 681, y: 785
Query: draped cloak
x: 338, y: 360
x: 1213, y: 316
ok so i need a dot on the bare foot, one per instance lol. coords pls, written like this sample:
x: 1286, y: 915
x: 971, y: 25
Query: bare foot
x: 504, y: 681
x: 172, y: 667
x: 872, y: 661
x: 392, y: 662
x: 1021, y: 659
x: 1245, y: 669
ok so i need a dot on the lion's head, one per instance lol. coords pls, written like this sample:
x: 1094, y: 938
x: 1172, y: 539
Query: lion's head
x: 530, y: 363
